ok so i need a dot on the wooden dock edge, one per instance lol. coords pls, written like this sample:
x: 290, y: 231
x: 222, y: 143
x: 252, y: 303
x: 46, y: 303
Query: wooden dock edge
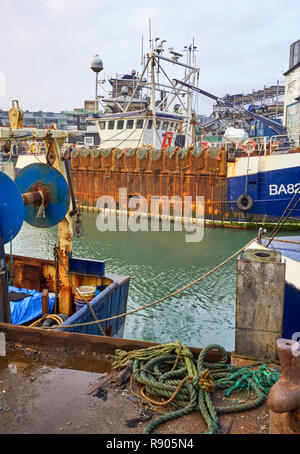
x: 35, y: 337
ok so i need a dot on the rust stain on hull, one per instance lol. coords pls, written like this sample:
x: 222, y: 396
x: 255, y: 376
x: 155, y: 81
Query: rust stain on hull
x: 204, y: 175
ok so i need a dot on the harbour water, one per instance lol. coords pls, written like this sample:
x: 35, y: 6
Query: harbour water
x: 158, y: 264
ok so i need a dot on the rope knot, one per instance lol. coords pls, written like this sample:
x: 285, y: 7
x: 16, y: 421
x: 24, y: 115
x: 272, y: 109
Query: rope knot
x: 205, y: 381
x: 184, y: 351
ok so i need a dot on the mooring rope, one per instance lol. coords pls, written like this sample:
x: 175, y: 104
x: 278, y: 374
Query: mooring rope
x: 282, y: 241
x: 282, y: 220
x: 161, y: 299
x: 187, y: 385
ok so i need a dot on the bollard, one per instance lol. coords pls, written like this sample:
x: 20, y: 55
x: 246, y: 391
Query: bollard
x: 260, y: 286
x: 284, y: 397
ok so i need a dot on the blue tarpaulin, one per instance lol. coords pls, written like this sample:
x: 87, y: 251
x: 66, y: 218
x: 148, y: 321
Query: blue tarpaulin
x: 28, y: 308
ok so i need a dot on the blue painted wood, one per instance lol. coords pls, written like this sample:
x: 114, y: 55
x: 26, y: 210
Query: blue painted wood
x: 291, y: 313
x: 86, y: 266
x: 110, y: 302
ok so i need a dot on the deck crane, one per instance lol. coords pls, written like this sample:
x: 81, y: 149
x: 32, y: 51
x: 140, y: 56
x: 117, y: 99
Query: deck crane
x: 276, y: 127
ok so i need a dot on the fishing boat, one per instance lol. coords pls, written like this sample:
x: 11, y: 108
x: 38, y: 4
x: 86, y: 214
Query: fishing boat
x: 155, y: 146
x: 68, y: 290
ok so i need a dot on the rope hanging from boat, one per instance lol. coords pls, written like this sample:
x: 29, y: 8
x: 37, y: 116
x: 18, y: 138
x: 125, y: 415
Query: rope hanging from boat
x: 281, y: 221
x: 54, y: 317
x: 156, y: 301
x: 171, y: 376
x: 56, y: 249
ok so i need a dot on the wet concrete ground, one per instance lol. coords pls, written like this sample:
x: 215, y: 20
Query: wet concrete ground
x: 46, y: 393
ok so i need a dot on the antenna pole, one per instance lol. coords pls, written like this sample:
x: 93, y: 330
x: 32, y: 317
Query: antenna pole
x: 142, y: 51
x: 150, y: 38
x: 153, y: 100
x: 96, y: 94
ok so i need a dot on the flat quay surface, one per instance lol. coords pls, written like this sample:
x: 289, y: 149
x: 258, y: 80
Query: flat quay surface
x: 48, y: 392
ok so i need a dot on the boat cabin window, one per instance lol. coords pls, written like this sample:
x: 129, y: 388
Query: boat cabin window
x: 102, y: 124
x: 157, y: 124
x: 89, y: 141
x: 139, y: 124
x: 120, y: 124
x: 150, y: 122
x: 171, y: 126
x: 111, y: 124
x: 164, y: 126
x: 129, y: 124
x: 175, y: 126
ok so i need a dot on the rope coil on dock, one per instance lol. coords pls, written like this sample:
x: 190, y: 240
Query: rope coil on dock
x: 186, y: 384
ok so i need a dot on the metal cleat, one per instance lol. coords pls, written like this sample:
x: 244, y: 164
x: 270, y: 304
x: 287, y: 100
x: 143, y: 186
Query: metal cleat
x: 284, y: 397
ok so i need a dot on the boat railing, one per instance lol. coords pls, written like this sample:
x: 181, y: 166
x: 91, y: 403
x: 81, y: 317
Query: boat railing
x: 285, y: 142
x: 255, y: 146
x: 264, y: 145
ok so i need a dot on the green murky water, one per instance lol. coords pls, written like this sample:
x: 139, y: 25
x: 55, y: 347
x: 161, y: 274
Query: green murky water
x: 160, y: 263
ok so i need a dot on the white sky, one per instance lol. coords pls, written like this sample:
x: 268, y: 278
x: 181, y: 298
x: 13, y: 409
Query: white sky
x: 47, y: 45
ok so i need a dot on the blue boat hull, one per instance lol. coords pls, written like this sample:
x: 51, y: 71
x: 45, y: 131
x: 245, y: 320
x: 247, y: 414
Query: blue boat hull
x: 291, y: 311
x: 271, y: 191
x: 110, y: 302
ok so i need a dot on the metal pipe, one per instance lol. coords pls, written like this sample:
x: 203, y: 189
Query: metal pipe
x: 32, y: 197
x: 96, y: 94
x: 153, y: 101
x: 176, y: 62
x: 70, y: 184
x: 37, y: 195
x: 137, y: 85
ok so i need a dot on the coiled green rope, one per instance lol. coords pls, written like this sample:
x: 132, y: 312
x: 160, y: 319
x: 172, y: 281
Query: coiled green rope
x: 169, y: 372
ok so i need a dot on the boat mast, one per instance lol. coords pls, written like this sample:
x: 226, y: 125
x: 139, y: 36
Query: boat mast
x: 189, y: 95
x: 137, y: 85
x: 153, y: 100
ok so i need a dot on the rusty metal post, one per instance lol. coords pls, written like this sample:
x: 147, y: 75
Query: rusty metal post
x: 45, y: 302
x: 65, y: 234
x: 284, y: 397
x: 260, y: 286
x: 65, y: 249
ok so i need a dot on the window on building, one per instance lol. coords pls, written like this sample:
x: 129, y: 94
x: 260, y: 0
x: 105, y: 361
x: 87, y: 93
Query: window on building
x: 102, y: 124
x: 111, y: 124
x: 120, y: 124
x: 139, y: 124
x: 129, y: 124
x: 296, y: 53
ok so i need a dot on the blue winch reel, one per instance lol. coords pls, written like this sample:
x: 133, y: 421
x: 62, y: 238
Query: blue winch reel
x: 57, y: 208
x: 30, y: 180
x: 11, y: 209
